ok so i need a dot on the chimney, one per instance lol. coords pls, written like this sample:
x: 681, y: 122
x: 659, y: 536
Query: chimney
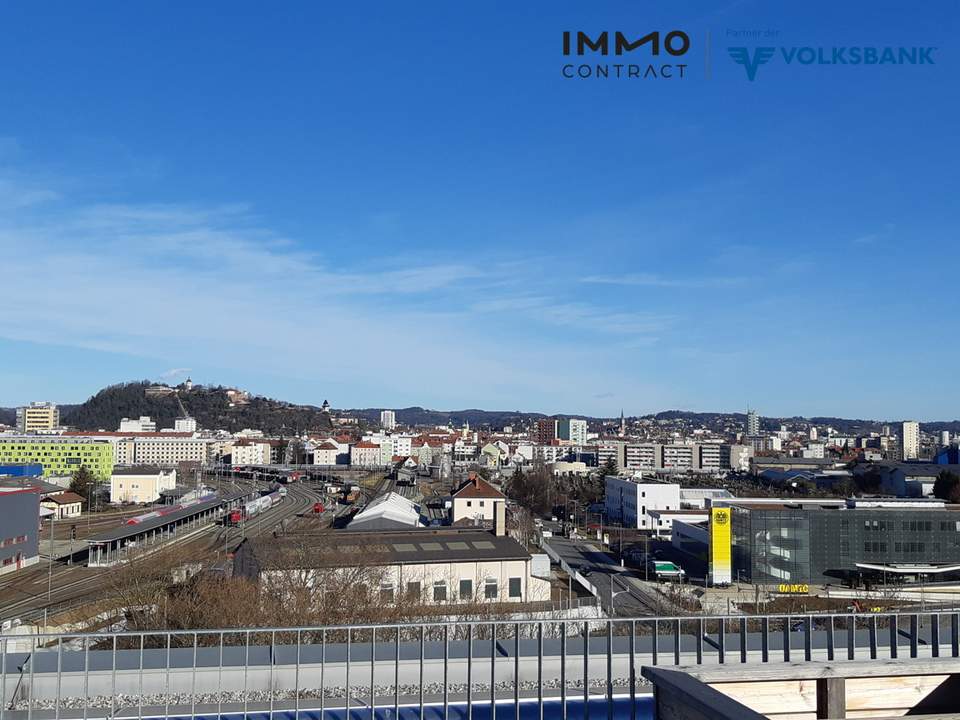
x: 499, y: 518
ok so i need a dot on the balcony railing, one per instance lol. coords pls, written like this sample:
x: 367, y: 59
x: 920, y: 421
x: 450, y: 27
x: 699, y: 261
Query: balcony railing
x: 533, y: 668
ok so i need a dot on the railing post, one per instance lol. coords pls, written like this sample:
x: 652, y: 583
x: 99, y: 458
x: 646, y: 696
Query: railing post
x: 765, y: 639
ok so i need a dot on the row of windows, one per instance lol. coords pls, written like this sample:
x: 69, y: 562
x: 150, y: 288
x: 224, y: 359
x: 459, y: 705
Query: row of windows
x: 491, y: 590
x: 14, y: 541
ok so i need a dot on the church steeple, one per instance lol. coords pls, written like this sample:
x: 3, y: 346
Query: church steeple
x: 623, y: 424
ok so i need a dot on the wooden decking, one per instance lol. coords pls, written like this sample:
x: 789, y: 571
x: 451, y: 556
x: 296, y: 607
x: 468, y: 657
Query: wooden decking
x: 809, y: 690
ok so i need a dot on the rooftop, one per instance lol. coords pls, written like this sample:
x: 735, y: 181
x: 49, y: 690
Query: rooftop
x: 402, y: 547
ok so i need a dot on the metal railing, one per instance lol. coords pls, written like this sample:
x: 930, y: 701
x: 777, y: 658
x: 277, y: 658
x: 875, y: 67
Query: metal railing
x: 444, y: 669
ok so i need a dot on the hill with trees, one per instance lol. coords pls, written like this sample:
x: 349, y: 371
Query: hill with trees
x: 211, y: 406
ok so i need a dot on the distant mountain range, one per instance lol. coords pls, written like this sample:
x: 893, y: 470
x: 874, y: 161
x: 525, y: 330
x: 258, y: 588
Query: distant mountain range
x: 214, y: 408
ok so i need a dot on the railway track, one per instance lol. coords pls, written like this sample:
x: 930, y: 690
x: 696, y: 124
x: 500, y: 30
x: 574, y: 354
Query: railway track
x: 24, y: 594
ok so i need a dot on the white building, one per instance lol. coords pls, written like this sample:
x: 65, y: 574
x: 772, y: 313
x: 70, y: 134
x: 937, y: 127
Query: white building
x: 944, y: 438
x: 172, y: 450
x: 250, y: 452
x: 365, y: 454
x: 326, y: 453
x: 573, y: 431
x: 185, y: 424
x: 911, y: 440
x: 629, y: 500
x: 475, y: 499
x: 138, y: 425
x: 388, y: 419
x: 140, y: 484
x: 428, y: 566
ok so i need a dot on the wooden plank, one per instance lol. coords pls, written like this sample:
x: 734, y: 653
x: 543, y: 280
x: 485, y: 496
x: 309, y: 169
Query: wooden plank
x: 865, y: 697
x: 831, y: 698
x: 814, y: 670
x: 680, y: 696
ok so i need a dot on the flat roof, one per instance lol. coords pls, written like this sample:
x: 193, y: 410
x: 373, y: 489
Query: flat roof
x: 400, y: 547
x: 127, y: 531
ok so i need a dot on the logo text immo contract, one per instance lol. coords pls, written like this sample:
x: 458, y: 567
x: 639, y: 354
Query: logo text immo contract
x: 674, y: 44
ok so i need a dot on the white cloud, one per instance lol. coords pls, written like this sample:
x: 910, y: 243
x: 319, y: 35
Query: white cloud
x: 215, y: 287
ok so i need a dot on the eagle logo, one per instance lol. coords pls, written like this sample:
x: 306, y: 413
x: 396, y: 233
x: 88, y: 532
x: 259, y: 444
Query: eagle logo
x: 761, y: 56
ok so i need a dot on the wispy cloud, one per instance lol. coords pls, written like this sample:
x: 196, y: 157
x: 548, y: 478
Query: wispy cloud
x: 652, y: 280
x: 170, y: 282
x: 174, y: 373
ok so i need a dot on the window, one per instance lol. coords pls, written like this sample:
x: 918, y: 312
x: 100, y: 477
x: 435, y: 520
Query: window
x: 490, y: 589
x: 466, y: 589
x: 440, y: 591
x: 386, y: 592
x: 413, y: 591
x: 515, y: 587
x: 469, y: 503
x: 481, y: 503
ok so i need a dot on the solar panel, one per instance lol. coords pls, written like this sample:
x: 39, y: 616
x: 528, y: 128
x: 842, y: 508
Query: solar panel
x: 404, y: 547
x: 457, y: 546
x: 483, y: 545
x: 431, y: 546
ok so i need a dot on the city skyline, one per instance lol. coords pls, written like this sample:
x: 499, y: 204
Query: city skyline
x: 431, y: 218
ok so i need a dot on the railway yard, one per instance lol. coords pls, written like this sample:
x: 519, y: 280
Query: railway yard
x: 62, y: 583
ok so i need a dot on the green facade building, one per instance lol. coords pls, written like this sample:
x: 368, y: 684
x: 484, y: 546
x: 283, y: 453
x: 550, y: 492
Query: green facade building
x: 59, y: 455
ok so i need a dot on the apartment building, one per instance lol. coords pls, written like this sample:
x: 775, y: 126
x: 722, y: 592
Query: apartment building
x: 629, y: 500
x: 250, y: 452
x: 141, y: 483
x: 38, y: 417
x: 642, y: 457
x: 142, y: 424
x: 59, y: 455
x: 611, y: 450
x: 573, y: 431
x: 365, y: 454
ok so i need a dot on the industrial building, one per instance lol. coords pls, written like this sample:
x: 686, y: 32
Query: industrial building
x: 422, y: 565
x: 60, y: 455
x: 773, y: 542
x: 19, y: 528
x: 390, y: 511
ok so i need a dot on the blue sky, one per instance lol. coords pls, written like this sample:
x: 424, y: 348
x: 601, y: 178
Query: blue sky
x: 390, y: 204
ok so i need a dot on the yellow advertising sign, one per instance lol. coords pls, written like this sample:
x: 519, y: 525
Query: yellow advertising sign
x: 720, y: 541
x: 794, y: 589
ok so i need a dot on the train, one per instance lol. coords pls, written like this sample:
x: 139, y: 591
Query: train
x: 167, y: 509
x: 253, y: 508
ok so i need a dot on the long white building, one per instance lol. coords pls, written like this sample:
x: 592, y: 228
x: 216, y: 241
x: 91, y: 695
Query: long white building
x: 630, y: 500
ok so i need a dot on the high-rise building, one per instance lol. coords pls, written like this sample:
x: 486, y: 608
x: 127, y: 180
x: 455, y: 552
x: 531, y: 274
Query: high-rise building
x: 37, y: 417
x: 575, y: 431
x: 388, y: 419
x: 944, y: 438
x: 911, y: 440
x: 813, y: 432
x: 545, y: 432
x: 753, y: 423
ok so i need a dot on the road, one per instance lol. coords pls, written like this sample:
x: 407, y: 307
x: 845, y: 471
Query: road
x: 631, y: 596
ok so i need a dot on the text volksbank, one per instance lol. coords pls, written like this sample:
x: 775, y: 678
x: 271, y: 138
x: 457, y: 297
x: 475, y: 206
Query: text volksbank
x: 830, y: 56
x: 674, y: 44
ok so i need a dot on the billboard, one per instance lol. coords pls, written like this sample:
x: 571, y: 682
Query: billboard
x: 720, y: 551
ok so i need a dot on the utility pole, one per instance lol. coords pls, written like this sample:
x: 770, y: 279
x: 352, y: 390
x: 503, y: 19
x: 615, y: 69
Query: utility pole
x: 53, y: 519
